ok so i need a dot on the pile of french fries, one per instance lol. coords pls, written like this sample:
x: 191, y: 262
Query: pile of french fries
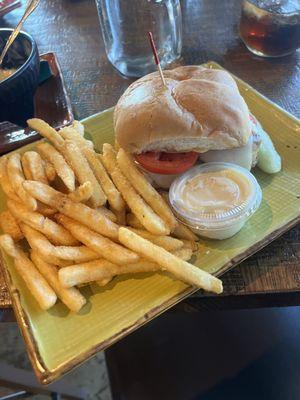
x: 87, y: 217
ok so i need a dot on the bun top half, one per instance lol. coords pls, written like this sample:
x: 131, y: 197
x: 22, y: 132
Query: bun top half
x: 201, y: 109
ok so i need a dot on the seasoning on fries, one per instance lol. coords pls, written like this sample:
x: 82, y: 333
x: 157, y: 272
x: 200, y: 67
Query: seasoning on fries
x: 125, y: 227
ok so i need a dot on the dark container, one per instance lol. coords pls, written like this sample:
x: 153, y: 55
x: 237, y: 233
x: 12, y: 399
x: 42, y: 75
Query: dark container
x: 17, y: 91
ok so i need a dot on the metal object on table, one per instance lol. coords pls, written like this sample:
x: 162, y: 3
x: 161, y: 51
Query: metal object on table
x: 31, y: 6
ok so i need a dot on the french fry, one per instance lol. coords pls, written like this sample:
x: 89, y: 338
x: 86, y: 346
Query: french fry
x: 107, y: 213
x: 71, y: 297
x: 121, y: 216
x: 104, y: 281
x: 166, y: 242
x: 32, y: 172
x: 106, y: 248
x: 113, y: 195
x: 62, y: 168
x: 26, y: 168
x: 132, y: 221
x: 83, y: 172
x: 190, y: 244
x: 79, y: 127
x: 45, y: 210
x: 109, y: 157
x: 10, y: 226
x: 82, y: 193
x: 34, y: 281
x: 181, y: 231
x: 34, y: 163
x: 71, y: 133
x: 181, y: 269
x: 184, y: 253
x: 40, y: 243
x: 16, y: 177
x: 93, y: 219
x: 5, y: 182
x: 100, y: 270
x: 49, y: 171
x: 83, y: 273
x: 46, y: 131
x: 57, y: 234
x: 58, y: 262
x: 145, y: 189
x: 151, y: 221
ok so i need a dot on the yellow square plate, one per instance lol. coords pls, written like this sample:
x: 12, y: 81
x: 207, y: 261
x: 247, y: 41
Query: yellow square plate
x: 58, y: 340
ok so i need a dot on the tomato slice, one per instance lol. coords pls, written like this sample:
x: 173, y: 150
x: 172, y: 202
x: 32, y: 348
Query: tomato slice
x: 167, y: 163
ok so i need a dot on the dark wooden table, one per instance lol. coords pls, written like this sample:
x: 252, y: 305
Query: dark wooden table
x: 71, y: 29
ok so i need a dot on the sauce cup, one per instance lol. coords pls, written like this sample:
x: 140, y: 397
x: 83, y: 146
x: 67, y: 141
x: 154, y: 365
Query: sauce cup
x: 215, y: 199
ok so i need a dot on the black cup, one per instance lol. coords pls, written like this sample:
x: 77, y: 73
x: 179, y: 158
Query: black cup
x: 17, y: 91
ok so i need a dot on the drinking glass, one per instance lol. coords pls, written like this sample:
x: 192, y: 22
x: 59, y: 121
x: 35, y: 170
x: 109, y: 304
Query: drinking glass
x: 271, y: 28
x: 124, y: 25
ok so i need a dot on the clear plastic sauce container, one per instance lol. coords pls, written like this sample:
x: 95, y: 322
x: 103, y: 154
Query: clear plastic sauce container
x: 215, y: 199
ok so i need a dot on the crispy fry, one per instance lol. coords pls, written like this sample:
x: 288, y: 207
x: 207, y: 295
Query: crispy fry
x: 39, y: 242
x: 10, y: 226
x: 103, y: 272
x: 34, y: 163
x: 26, y: 168
x: 57, y: 234
x: 83, y: 172
x: 16, y: 177
x: 151, y: 221
x: 71, y: 133
x: 79, y: 127
x: 180, y: 268
x: 109, y: 157
x: 104, y: 281
x: 46, y: 131
x: 121, y: 216
x: 106, y: 213
x: 45, y: 210
x: 83, y: 273
x: 58, y: 262
x: 93, y: 219
x: 132, y: 221
x: 35, y: 282
x: 113, y: 195
x: 106, y: 248
x: 49, y: 171
x: 181, y: 231
x: 184, y: 253
x: 100, y: 270
x: 62, y: 168
x: 145, y: 189
x: 71, y: 297
x: 190, y: 244
x: 167, y: 242
x: 82, y: 193
x: 5, y: 182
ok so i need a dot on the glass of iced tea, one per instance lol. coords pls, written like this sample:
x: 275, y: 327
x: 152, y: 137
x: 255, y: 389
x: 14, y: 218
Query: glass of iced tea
x: 271, y: 28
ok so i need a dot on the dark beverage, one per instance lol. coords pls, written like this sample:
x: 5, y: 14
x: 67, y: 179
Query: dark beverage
x: 271, y: 28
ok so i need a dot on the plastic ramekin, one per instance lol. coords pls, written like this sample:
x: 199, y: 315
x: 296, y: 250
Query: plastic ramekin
x: 214, y: 224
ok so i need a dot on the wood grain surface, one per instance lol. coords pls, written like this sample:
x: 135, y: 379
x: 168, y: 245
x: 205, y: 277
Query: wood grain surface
x: 210, y: 32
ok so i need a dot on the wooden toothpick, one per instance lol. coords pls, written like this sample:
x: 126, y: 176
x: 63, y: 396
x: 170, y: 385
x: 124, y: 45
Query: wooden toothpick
x: 157, y: 62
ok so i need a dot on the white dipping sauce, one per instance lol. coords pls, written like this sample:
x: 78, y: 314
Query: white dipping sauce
x: 215, y: 199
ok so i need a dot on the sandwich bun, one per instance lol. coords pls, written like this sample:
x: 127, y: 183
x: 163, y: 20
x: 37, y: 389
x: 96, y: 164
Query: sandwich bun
x: 201, y: 109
